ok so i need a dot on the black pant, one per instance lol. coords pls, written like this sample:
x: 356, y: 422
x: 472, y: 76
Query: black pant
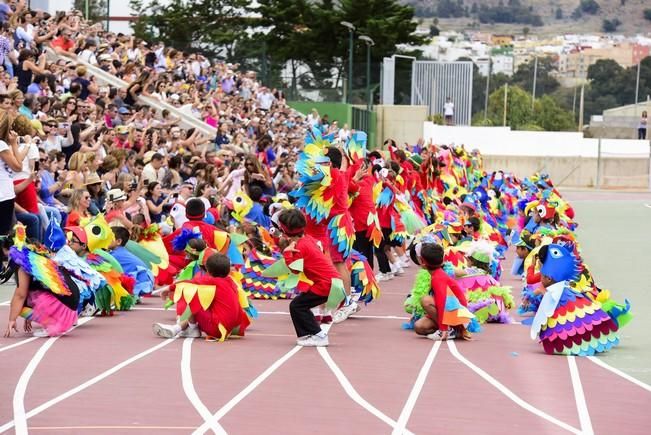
x: 302, y: 318
x: 6, y: 216
x: 641, y: 133
x: 380, y: 252
x: 364, y: 246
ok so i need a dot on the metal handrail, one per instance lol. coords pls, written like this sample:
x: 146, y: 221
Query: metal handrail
x: 187, y: 121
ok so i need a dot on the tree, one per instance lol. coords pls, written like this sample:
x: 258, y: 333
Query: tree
x: 559, y: 13
x: 525, y: 31
x: 647, y: 14
x: 545, y: 81
x: 518, y: 107
x: 589, y: 7
x: 97, y: 10
x: 206, y: 26
x: 610, y: 26
x: 551, y: 117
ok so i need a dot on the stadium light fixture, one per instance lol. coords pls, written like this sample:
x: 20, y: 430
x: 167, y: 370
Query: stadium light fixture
x: 369, y: 43
x: 351, y: 32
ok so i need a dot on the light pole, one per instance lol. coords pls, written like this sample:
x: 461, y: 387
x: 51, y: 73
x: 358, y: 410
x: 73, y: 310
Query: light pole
x: 351, y: 32
x: 535, y: 76
x: 369, y: 44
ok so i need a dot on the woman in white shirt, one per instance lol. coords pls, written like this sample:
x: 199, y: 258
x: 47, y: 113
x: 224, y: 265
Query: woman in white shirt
x: 11, y: 158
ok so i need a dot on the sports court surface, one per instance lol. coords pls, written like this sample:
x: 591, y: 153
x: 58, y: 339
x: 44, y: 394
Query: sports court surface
x: 112, y: 376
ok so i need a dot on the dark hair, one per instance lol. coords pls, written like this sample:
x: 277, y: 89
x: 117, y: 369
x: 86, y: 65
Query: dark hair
x: 400, y: 154
x: 335, y: 157
x: 255, y: 192
x: 293, y: 220
x: 480, y: 264
x: 121, y: 234
x: 157, y: 156
x: 197, y: 244
x: 218, y: 265
x: 432, y: 254
x: 195, y: 208
x: 474, y: 221
x: 151, y: 186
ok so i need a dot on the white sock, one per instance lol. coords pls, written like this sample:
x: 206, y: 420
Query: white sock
x: 322, y: 334
x: 193, y: 325
x: 177, y: 328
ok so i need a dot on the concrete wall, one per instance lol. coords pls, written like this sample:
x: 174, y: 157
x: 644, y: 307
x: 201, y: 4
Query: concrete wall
x: 505, y: 142
x: 577, y: 171
x: 568, y: 157
x: 400, y: 123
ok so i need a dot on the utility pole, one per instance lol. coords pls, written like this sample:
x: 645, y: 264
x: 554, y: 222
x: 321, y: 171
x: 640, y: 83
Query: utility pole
x: 581, y: 107
x: 637, y: 86
x: 535, y: 76
x: 574, y: 105
x: 506, y: 94
x: 369, y: 43
x: 488, y: 86
x: 351, y: 32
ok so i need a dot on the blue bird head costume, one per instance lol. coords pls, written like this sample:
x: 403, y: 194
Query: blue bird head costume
x: 560, y: 261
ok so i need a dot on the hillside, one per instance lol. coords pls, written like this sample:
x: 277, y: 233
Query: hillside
x: 541, y: 16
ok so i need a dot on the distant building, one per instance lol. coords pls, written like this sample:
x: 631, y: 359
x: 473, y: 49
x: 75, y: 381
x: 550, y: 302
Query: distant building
x: 502, y: 39
x: 575, y: 64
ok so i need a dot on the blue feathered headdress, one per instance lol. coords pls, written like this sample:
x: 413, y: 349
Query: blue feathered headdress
x: 180, y: 242
x: 560, y: 261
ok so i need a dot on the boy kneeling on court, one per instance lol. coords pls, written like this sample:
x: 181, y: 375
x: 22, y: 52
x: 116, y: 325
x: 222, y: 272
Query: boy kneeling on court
x: 446, y: 307
x: 317, y: 268
x: 213, y: 308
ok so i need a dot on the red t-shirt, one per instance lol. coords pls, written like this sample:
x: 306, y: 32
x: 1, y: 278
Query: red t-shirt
x: 225, y: 308
x: 440, y: 283
x: 207, y: 234
x: 340, y: 192
x: 363, y: 204
x: 63, y: 43
x: 317, y: 267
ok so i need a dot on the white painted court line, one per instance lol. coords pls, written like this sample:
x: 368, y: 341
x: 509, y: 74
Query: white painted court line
x: 350, y: 390
x: 5, y: 303
x: 415, y: 391
x: 647, y: 205
x: 508, y: 393
x: 20, y: 343
x: 579, y: 397
x: 246, y: 391
x: 352, y: 393
x: 191, y: 393
x: 283, y: 313
x: 620, y: 373
x: 90, y: 382
x: 20, y: 418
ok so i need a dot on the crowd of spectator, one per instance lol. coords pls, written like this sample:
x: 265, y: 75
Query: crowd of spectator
x: 71, y: 147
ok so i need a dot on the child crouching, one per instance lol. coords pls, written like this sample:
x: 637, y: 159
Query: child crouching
x: 223, y: 315
x: 447, y: 315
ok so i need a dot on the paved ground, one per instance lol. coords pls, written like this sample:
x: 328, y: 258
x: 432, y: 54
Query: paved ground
x: 112, y: 376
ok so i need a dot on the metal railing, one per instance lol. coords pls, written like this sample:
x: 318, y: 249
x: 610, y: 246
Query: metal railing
x: 187, y: 121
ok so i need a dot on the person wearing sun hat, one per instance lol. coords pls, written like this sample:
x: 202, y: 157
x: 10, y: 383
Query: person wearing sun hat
x: 115, y: 214
x: 93, y: 184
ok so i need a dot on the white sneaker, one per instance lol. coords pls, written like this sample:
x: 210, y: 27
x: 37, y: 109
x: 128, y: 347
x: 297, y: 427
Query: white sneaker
x: 404, y: 262
x: 345, y: 312
x: 41, y: 333
x: 165, y: 331
x: 313, y: 341
x: 382, y: 277
x: 89, y: 311
x: 191, y: 331
x: 396, y: 269
x: 438, y: 335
